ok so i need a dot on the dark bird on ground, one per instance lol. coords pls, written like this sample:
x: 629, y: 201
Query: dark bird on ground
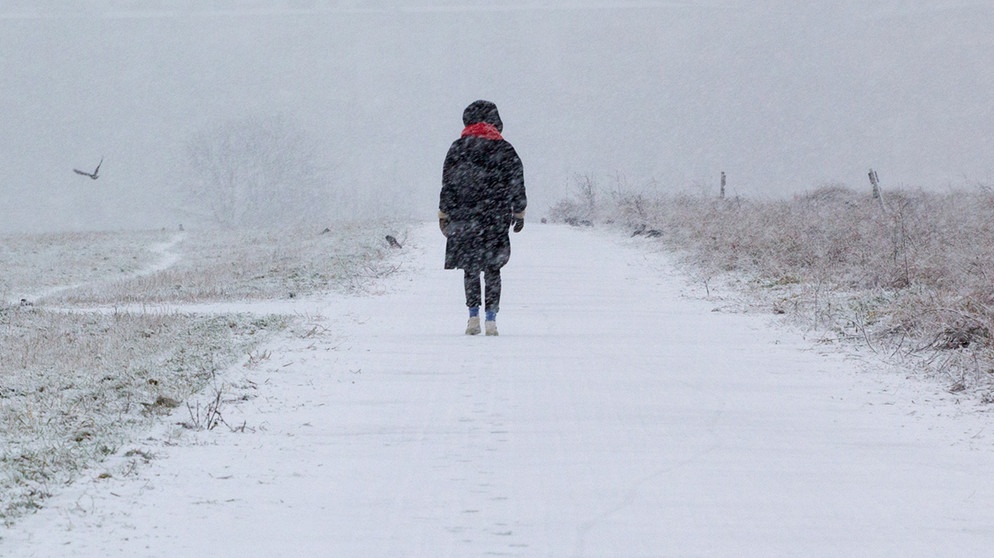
x: 643, y: 229
x: 95, y: 174
x: 393, y: 242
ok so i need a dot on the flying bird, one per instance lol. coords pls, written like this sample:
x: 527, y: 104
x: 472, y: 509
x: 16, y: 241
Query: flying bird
x: 94, y: 174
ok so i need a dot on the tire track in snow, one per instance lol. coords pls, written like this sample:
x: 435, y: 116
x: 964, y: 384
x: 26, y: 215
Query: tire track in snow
x: 487, y: 510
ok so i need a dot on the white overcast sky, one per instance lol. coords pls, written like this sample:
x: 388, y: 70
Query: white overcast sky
x: 781, y: 95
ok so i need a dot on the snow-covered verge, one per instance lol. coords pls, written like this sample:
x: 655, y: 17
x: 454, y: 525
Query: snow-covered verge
x: 77, y: 382
x: 75, y: 386
x: 906, y: 276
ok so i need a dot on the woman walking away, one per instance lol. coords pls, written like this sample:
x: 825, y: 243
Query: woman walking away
x: 483, y: 195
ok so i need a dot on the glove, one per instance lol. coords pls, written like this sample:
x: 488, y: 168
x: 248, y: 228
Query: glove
x: 443, y: 223
x: 519, y: 221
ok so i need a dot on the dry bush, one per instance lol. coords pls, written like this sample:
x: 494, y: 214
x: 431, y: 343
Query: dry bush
x: 580, y: 209
x: 910, y: 277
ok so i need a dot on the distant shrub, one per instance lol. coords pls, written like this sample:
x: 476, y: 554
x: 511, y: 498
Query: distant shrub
x: 580, y: 208
x: 253, y: 172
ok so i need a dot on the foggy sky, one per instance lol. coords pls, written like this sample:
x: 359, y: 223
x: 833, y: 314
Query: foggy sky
x: 666, y: 95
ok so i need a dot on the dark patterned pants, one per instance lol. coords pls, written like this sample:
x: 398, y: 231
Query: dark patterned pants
x: 472, y: 283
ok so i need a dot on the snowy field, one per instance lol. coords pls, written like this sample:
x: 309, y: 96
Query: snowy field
x: 617, y: 414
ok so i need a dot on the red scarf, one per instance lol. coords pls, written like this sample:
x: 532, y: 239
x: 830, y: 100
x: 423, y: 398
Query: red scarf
x: 482, y: 130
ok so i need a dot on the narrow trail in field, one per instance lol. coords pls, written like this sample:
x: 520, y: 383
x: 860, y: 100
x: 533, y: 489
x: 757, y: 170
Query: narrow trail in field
x: 165, y: 254
x: 613, y: 416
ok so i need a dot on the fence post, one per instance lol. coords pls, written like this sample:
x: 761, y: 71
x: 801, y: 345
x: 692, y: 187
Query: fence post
x: 721, y: 194
x: 877, y: 194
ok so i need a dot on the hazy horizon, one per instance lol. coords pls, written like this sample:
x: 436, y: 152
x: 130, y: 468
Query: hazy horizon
x: 666, y: 95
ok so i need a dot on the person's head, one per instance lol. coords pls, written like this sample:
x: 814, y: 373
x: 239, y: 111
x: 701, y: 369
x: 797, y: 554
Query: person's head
x: 482, y: 111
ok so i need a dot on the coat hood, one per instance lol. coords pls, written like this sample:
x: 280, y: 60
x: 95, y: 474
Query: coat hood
x: 482, y: 111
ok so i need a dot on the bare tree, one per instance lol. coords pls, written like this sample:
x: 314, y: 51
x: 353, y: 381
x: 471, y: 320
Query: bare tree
x: 257, y: 172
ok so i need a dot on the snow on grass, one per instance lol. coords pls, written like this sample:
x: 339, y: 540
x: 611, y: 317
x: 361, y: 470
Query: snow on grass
x: 77, y: 382
x: 35, y: 266
x: 907, y: 277
x: 219, y: 265
x: 74, y: 385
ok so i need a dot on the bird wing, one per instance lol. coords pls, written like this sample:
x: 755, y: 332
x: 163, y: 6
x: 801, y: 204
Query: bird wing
x: 77, y: 171
x: 95, y: 171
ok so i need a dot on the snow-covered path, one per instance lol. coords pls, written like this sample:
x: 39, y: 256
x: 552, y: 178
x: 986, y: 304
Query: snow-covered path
x: 613, y: 416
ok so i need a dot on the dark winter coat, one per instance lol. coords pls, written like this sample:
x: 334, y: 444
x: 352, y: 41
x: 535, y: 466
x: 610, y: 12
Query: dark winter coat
x: 482, y: 189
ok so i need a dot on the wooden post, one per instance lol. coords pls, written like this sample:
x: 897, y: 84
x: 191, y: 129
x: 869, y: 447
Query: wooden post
x: 721, y: 194
x: 877, y: 194
x: 875, y: 181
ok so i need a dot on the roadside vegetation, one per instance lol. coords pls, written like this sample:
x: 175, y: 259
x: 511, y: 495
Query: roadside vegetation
x: 84, y: 365
x: 908, y: 275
